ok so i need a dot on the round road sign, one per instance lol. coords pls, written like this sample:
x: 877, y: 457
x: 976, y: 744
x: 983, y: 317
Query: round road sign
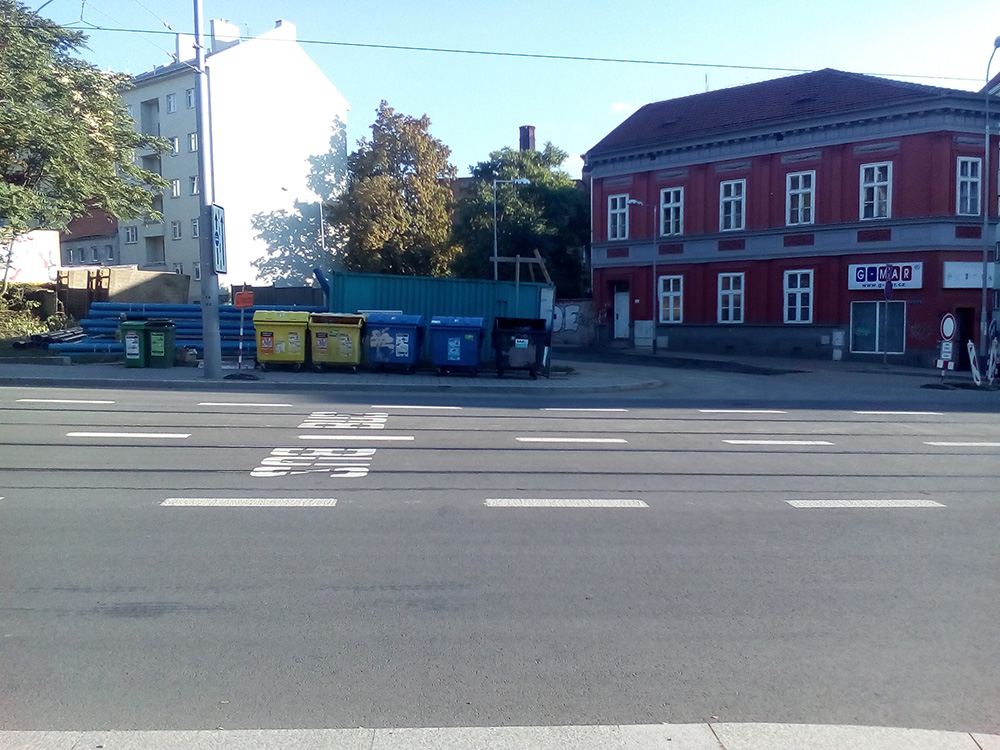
x: 948, y: 325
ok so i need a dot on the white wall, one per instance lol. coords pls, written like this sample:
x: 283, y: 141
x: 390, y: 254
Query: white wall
x: 35, y: 259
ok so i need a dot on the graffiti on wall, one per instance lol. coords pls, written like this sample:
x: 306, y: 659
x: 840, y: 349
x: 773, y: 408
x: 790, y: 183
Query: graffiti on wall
x: 573, y: 322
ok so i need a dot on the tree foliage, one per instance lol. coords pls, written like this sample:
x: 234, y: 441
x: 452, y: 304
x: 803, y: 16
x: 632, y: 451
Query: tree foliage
x: 66, y: 139
x: 551, y: 215
x: 396, y: 208
x: 299, y: 240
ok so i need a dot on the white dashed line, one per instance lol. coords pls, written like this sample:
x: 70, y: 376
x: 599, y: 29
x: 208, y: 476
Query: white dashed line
x: 234, y: 403
x: 590, y: 410
x: 410, y: 406
x: 864, y: 504
x: 60, y: 401
x: 250, y: 502
x: 340, y: 437
x: 903, y: 413
x: 962, y: 445
x: 569, y: 440
x: 778, y: 442
x: 742, y: 411
x: 527, y: 502
x: 179, y: 435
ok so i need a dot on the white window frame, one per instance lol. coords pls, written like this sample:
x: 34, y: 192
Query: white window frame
x: 178, y: 268
x: 175, y: 145
x: 131, y: 235
x: 95, y: 256
x: 798, y: 300
x: 196, y: 271
x: 880, y: 336
x: 109, y: 252
x: 175, y: 188
x: 972, y: 183
x: 732, y: 205
x: 800, y: 202
x: 195, y: 226
x: 191, y: 99
x: 171, y: 102
x: 618, y: 217
x: 732, y: 298
x: 871, y: 184
x: 192, y: 142
x: 671, y: 212
x: 175, y: 229
x: 194, y: 185
x: 671, y: 299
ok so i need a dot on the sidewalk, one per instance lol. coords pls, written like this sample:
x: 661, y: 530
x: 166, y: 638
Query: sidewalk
x: 666, y: 378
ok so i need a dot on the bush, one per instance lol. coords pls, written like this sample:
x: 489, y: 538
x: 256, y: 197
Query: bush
x: 19, y: 315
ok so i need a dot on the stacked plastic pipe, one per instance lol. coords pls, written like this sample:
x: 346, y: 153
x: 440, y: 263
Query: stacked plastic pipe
x: 102, y: 323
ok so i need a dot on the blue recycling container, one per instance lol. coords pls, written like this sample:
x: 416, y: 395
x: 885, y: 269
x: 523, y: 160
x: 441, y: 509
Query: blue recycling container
x: 394, y: 340
x: 455, y: 344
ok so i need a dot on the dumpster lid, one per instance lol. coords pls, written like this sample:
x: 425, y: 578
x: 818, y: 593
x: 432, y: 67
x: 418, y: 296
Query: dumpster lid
x: 531, y: 324
x: 281, y: 316
x: 336, y: 319
x: 456, y: 322
x: 394, y: 319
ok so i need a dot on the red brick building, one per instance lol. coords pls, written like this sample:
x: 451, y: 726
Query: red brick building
x: 767, y: 218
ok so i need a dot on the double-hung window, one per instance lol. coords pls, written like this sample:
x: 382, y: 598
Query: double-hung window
x: 671, y: 211
x: 671, y: 299
x: 798, y: 296
x: 800, y: 194
x: 131, y: 235
x: 618, y: 217
x: 171, y: 102
x: 175, y: 230
x: 968, y: 186
x: 732, y: 206
x: 730, y: 298
x: 175, y: 188
x: 876, y: 190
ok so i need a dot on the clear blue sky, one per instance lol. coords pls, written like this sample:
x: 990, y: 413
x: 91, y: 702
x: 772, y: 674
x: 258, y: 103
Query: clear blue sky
x: 476, y: 103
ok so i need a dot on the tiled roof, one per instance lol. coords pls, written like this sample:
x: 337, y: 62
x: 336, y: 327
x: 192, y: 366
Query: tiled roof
x: 782, y: 100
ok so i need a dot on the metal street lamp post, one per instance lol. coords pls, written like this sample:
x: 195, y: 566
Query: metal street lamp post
x: 496, y: 257
x: 987, y: 201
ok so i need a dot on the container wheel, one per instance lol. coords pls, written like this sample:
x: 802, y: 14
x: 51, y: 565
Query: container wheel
x: 440, y: 371
x: 534, y: 374
x: 296, y: 367
x: 262, y: 365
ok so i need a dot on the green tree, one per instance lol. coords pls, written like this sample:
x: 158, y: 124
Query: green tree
x: 66, y: 139
x: 551, y: 215
x: 396, y: 208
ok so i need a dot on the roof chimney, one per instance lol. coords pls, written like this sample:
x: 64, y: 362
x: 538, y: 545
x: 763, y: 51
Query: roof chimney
x: 527, y: 138
x: 224, y: 34
x: 185, y: 47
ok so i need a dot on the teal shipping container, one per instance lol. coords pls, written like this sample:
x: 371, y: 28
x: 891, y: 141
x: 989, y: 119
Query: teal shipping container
x: 430, y: 297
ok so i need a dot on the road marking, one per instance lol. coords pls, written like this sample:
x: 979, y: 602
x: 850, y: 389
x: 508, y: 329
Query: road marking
x: 179, y: 435
x: 60, y: 401
x: 411, y: 406
x: 963, y: 445
x: 904, y: 413
x: 250, y: 502
x: 569, y: 440
x: 581, y: 409
x: 528, y: 502
x: 742, y: 411
x: 340, y: 437
x: 864, y: 504
x: 778, y: 442
x: 235, y: 403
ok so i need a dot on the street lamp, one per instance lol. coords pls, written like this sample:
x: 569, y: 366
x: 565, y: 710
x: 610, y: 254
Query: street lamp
x: 987, y: 200
x: 496, y: 257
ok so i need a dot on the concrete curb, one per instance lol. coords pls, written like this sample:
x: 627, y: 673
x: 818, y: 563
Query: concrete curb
x: 719, y: 736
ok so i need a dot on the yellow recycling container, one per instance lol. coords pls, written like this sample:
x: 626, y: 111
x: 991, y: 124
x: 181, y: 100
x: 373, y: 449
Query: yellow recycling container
x: 335, y: 339
x: 281, y: 337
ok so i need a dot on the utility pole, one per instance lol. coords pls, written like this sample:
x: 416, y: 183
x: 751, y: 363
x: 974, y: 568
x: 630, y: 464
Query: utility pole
x: 211, y: 338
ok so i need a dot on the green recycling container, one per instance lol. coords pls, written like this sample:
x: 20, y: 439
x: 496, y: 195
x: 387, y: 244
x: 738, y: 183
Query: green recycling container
x: 160, y: 334
x: 136, y: 342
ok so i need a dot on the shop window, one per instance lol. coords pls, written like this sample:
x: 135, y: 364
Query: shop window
x: 878, y: 327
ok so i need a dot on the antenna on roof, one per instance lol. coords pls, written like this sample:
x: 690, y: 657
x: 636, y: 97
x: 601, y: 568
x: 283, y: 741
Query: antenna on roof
x: 706, y: 83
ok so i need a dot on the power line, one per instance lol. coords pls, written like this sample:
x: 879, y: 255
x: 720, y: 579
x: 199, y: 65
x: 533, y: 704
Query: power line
x: 541, y: 56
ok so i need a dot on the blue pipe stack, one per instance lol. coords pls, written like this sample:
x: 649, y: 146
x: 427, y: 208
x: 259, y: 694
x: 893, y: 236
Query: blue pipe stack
x: 101, y: 326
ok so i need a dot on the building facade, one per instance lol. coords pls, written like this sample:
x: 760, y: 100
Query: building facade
x: 91, y: 240
x: 768, y: 219
x: 270, y: 109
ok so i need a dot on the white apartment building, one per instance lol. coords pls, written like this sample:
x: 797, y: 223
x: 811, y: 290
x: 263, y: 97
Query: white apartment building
x: 270, y: 109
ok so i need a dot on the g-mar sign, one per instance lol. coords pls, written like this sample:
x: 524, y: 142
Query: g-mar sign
x: 874, y: 275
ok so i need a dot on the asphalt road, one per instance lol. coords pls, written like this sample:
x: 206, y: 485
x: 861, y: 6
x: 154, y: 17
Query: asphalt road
x: 416, y: 581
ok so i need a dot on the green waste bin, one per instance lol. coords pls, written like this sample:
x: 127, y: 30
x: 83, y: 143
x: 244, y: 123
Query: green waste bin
x: 160, y: 334
x: 136, y: 342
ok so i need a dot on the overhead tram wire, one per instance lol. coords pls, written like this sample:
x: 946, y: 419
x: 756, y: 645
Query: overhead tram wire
x: 541, y: 56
